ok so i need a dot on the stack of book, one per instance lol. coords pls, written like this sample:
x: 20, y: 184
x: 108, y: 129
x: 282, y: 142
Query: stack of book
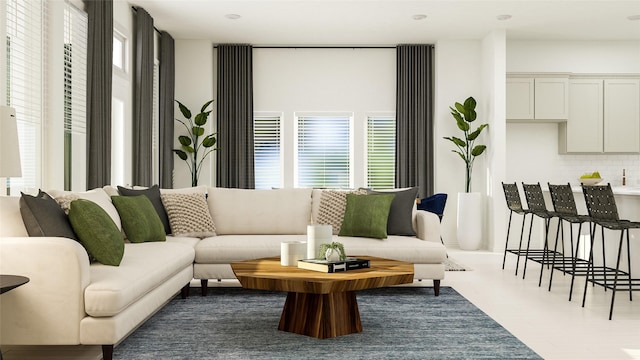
x: 349, y: 263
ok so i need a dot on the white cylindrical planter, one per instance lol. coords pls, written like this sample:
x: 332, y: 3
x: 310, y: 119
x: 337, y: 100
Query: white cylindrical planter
x: 316, y: 235
x: 469, y: 225
x: 291, y: 252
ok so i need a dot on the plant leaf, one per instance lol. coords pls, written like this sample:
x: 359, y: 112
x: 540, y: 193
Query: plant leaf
x: 457, y: 141
x: 188, y: 149
x: 209, y: 141
x: 181, y: 154
x: 464, y: 158
x: 460, y: 108
x: 205, y: 105
x: 470, y: 103
x: 184, y: 110
x: 479, y: 149
x: 201, y: 118
x: 197, y: 131
x: 184, y: 140
x: 477, y: 132
x: 463, y: 125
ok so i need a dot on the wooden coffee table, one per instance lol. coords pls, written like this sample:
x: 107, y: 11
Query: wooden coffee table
x: 318, y: 304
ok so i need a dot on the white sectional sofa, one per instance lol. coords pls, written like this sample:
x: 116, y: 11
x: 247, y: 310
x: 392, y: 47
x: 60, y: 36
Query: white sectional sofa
x: 70, y: 301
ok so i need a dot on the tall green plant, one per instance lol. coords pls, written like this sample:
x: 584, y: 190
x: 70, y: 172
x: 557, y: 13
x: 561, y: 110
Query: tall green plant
x: 195, y: 147
x: 464, y: 115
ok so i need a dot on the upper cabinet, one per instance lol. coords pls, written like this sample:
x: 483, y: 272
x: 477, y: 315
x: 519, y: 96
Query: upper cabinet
x: 537, y: 97
x: 604, y: 116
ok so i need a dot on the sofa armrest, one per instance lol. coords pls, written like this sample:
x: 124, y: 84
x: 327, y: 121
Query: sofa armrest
x: 427, y: 226
x: 48, y: 309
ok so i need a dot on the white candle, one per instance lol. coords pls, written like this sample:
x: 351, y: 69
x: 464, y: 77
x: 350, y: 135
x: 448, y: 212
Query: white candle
x: 316, y: 235
x: 291, y: 252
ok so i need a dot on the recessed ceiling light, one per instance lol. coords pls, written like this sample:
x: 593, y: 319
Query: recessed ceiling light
x: 419, y: 17
x: 633, y: 17
x: 503, y: 17
x: 233, y: 16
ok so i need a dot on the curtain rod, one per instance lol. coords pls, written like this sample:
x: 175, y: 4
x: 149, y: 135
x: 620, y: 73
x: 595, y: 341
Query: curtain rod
x: 320, y: 47
x: 135, y: 10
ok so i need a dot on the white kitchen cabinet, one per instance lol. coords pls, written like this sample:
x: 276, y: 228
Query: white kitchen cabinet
x: 582, y: 132
x: 622, y: 115
x: 520, y: 98
x: 537, y: 98
x: 551, y: 98
x: 604, y: 116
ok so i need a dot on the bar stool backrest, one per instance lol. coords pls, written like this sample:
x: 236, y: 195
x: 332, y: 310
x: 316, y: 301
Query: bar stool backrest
x: 600, y: 202
x: 534, y: 196
x: 512, y: 195
x: 563, y: 200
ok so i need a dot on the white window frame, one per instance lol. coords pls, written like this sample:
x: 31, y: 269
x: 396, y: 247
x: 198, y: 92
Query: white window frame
x: 280, y: 170
x: 124, y: 51
x: 350, y: 116
x: 367, y: 146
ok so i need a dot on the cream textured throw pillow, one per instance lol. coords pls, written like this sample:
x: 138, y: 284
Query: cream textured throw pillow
x: 332, y: 206
x: 189, y: 215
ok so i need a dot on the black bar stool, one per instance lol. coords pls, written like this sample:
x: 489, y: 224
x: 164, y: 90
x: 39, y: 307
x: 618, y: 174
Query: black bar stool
x: 536, y: 204
x: 564, y: 204
x: 512, y: 196
x: 604, y: 212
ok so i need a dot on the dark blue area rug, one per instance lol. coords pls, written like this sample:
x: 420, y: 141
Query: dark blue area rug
x: 398, y: 323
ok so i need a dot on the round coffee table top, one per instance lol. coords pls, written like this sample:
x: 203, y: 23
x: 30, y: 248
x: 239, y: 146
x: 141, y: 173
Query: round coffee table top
x: 268, y: 274
x: 10, y: 282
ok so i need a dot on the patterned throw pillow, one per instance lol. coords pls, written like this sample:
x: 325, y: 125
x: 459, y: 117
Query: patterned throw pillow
x: 65, y: 201
x: 332, y: 206
x: 189, y: 215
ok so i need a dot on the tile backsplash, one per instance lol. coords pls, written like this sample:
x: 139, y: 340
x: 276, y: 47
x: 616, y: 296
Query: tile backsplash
x: 609, y: 166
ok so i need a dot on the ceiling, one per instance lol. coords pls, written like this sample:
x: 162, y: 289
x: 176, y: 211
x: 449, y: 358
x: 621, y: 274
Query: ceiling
x: 390, y: 22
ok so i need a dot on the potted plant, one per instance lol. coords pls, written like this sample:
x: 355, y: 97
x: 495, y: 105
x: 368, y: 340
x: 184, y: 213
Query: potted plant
x: 332, y: 252
x: 469, y: 230
x: 195, y: 147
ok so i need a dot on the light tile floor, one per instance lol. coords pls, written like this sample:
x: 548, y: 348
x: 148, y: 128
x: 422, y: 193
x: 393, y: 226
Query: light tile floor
x: 546, y: 321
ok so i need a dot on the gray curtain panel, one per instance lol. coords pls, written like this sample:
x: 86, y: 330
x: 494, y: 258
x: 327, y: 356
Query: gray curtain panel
x: 235, y: 117
x: 143, y: 99
x: 414, y: 118
x: 99, y: 70
x: 166, y: 101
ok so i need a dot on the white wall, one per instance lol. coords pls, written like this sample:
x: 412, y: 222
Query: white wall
x: 354, y: 81
x: 195, y: 84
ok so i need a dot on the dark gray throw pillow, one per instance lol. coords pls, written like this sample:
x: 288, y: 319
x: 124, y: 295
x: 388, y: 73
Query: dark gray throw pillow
x: 153, y: 193
x: 42, y: 216
x: 401, y: 214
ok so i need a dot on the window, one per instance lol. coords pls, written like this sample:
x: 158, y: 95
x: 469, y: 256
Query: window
x: 267, y: 151
x: 381, y: 152
x: 120, y: 54
x: 26, y: 50
x: 75, y: 93
x: 323, y: 151
x: 155, y: 132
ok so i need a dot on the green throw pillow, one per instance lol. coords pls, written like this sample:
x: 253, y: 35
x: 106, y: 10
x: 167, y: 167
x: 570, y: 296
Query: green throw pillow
x: 366, y: 216
x: 140, y: 220
x: 97, y: 232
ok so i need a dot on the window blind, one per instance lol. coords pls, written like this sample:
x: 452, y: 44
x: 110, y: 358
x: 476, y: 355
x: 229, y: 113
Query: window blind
x: 381, y: 152
x: 155, y: 148
x: 26, y: 52
x: 75, y: 97
x: 323, y: 151
x: 267, y: 151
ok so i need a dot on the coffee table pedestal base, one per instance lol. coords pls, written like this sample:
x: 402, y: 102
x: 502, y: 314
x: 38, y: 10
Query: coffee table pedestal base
x: 321, y: 315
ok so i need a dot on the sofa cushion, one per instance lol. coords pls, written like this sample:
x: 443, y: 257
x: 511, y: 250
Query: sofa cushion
x: 403, y: 248
x: 262, y: 212
x: 153, y: 193
x: 42, y: 216
x: 401, y: 213
x: 366, y: 215
x: 98, y: 196
x: 97, y: 232
x: 224, y: 249
x: 140, y: 220
x: 143, y: 268
x: 188, y: 214
x: 332, y: 206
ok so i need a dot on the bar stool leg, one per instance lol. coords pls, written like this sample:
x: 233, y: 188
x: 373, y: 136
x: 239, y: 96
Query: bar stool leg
x: 555, y: 246
x: 506, y: 243
x: 615, y: 277
x: 589, y: 266
x: 526, y: 257
x: 575, y: 259
x: 524, y: 219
